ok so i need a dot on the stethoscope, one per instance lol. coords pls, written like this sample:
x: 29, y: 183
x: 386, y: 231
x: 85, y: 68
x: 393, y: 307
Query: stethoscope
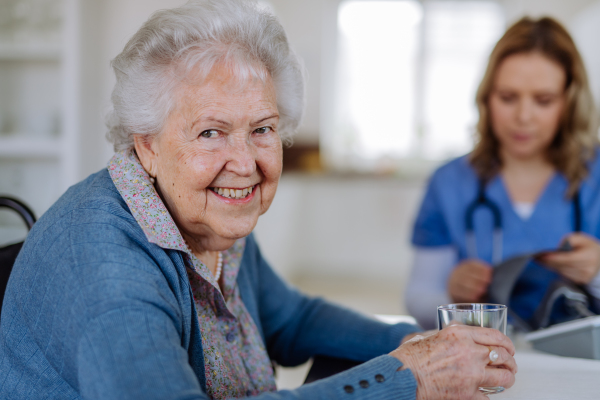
x: 482, y: 201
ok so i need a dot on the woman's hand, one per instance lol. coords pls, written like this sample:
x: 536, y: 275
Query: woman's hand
x: 469, y: 281
x: 421, y: 335
x: 581, y: 264
x: 454, y: 363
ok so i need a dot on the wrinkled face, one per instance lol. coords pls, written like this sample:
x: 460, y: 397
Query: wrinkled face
x: 218, y: 160
x: 526, y: 104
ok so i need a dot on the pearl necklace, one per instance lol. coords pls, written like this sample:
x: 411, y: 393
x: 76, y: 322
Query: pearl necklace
x: 219, y: 266
x: 219, y: 261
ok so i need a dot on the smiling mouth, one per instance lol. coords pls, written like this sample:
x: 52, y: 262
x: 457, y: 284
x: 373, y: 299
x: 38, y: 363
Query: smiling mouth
x: 233, y: 193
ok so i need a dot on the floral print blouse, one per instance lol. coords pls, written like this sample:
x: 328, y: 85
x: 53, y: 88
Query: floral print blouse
x: 235, y: 358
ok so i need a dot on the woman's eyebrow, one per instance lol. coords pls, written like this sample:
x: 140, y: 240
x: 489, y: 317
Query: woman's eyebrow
x: 228, y: 124
x: 504, y: 89
x: 218, y: 121
x: 260, y: 121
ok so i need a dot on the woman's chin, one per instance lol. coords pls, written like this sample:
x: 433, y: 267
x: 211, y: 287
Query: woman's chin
x: 526, y: 152
x: 234, y: 233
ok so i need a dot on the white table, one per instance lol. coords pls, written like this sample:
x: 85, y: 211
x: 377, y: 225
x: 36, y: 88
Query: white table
x: 544, y: 376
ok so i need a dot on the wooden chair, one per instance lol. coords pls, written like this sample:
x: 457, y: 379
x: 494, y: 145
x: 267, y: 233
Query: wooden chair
x: 8, y: 254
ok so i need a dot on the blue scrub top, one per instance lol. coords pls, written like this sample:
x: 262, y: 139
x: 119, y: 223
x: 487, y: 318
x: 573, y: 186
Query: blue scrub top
x: 453, y: 187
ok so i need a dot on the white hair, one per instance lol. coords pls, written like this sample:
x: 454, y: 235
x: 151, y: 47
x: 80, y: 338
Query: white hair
x: 191, y: 39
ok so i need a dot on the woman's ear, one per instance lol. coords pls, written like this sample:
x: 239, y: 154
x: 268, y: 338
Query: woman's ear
x: 145, y: 147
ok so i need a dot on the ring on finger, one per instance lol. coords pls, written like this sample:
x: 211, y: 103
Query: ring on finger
x: 493, y: 356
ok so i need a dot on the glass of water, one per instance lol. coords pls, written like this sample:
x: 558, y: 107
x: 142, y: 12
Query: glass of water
x: 474, y: 314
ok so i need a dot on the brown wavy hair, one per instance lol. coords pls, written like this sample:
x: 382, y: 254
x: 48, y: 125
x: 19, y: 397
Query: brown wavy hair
x: 574, y: 144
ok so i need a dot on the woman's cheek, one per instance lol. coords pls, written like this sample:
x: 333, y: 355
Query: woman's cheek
x: 555, y: 116
x: 501, y: 117
x: 270, y: 154
x: 275, y: 165
x: 203, y: 169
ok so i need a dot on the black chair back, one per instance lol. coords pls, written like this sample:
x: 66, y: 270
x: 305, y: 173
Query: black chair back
x: 8, y: 254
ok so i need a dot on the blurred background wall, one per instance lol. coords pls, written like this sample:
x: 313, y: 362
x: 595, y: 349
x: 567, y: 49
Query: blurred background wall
x: 335, y: 229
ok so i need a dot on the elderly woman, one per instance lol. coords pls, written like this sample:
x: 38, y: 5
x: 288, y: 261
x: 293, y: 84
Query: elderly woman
x: 145, y: 282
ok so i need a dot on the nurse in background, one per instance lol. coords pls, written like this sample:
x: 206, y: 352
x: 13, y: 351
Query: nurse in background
x: 536, y: 153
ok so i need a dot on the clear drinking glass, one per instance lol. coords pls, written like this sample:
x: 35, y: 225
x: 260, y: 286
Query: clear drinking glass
x: 473, y: 314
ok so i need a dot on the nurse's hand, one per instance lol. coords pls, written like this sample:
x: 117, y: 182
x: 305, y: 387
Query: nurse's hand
x: 469, y: 281
x: 454, y: 363
x: 581, y: 264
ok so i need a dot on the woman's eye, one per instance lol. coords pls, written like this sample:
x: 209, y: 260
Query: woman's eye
x: 263, y: 130
x: 507, y: 99
x: 544, y: 101
x: 210, y: 133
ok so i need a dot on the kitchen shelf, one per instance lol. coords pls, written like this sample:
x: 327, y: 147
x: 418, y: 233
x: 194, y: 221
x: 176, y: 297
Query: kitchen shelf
x: 30, y: 52
x: 40, y: 78
x: 15, y: 147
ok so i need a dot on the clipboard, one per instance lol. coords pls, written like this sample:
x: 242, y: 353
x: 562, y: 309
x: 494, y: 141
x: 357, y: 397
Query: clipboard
x: 505, y: 276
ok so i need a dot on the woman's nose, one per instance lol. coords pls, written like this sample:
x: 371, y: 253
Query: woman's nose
x: 242, y: 157
x: 524, y: 111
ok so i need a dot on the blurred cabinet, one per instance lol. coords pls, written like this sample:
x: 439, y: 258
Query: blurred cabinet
x: 39, y: 107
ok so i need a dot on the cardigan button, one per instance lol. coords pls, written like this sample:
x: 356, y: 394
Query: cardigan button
x: 379, y: 378
x: 364, y: 384
x: 348, y: 389
x: 230, y: 337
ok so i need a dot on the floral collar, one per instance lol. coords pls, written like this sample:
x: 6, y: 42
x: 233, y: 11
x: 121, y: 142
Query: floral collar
x: 148, y: 209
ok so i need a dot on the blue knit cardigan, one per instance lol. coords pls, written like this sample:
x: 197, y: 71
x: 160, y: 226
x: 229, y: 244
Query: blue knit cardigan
x: 95, y: 311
